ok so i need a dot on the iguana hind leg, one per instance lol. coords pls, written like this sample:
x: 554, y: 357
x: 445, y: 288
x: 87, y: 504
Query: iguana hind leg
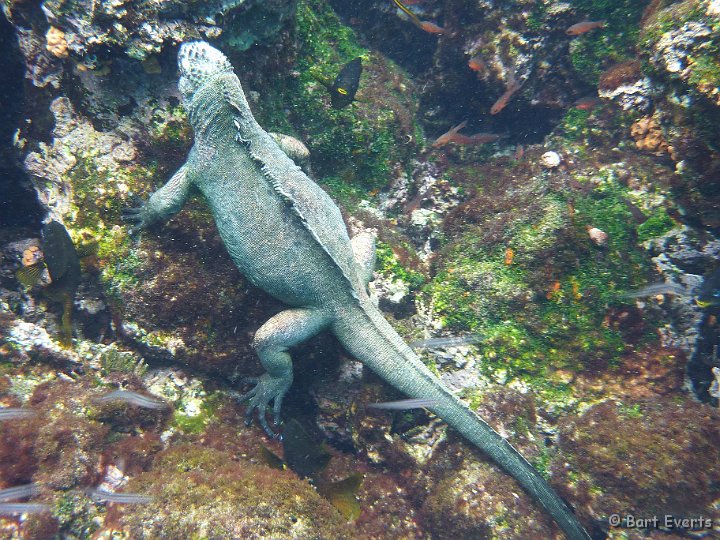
x: 272, y: 341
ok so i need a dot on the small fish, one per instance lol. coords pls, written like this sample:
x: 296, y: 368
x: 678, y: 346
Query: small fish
x: 586, y: 103
x: 425, y: 26
x: 476, y: 63
x: 439, y: 343
x: 7, y: 509
x: 346, y: 84
x: 404, y: 404
x: 133, y: 398
x: 61, y: 262
x: 509, y: 256
x: 637, y: 214
x: 100, y: 495
x: 585, y: 26
x: 452, y: 136
x: 709, y: 291
x: 343, y: 495
x: 19, y: 492
x: 302, y: 453
x: 659, y: 288
x: 431, y: 28
x: 503, y: 100
x: 15, y: 413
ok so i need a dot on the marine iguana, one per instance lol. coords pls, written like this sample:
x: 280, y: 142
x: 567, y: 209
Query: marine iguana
x: 287, y: 237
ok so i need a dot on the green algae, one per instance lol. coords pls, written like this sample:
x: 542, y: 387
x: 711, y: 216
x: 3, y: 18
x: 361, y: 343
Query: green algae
x: 388, y: 264
x: 658, y: 224
x: 574, y: 124
x: 544, y: 310
x: 360, y: 144
x: 196, y: 419
x: 597, y: 50
x: 77, y: 516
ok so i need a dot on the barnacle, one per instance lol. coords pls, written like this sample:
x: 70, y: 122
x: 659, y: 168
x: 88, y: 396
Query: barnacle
x: 56, y: 42
x: 648, y: 136
x: 31, y: 256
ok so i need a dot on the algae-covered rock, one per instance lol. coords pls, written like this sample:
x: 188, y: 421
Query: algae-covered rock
x: 681, y: 43
x: 356, y: 148
x: 653, y: 457
x: 205, y: 493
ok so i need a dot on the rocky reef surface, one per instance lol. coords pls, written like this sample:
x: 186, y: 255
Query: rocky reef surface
x: 537, y: 248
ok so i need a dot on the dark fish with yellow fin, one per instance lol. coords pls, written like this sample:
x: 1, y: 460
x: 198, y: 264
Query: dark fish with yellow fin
x: 342, y: 495
x: 61, y: 262
x: 308, y: 458
x: 301, y: 452
x: 346, y: 84
x: 271, y: 459
x: 708, y: 294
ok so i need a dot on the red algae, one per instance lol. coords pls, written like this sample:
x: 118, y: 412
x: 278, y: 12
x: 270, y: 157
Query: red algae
x: 650, y: 457
x: 203, y: 491
x: 624, y: 73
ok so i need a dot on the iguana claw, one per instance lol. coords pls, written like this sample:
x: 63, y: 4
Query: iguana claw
x: 137, y: 216
x: 267, y: 388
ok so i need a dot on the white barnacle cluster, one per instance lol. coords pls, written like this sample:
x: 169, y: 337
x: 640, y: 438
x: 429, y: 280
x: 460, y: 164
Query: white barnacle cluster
x: 635, y: 96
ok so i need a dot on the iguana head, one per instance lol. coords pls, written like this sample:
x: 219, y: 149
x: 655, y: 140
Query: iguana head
x: 198, y: 62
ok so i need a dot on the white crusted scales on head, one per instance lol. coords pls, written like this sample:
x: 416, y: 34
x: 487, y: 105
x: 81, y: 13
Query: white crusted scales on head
x: 198, y: 60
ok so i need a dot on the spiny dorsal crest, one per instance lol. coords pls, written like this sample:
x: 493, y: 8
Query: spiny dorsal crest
x: 198, y: 60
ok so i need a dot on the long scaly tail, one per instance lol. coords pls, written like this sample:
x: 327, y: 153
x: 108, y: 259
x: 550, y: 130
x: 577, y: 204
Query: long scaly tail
x: 369, y: 337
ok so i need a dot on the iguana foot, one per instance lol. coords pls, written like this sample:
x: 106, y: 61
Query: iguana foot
x: 272, y: 341
x: 267, y: 388
x: 137, y: 216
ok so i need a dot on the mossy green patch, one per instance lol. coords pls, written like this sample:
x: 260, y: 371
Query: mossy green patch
x: 574, y: 124
x: 388, y: 264
x: 596, y: 50
x: 196, y: 421
x: 544, y: 308
x: 360, y: 144
x: 658, y: 224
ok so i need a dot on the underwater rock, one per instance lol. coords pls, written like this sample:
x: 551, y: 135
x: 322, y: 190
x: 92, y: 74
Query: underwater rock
x: 626, y: 85
x: 680, y: 37
x: 597, y: 236
x: 678, y: 43
x: 56, y: 42
x: 648, y: 136
x: 653, y: 457
x: 144, y: 29
x: 465, y: 499
x: 205, y: 492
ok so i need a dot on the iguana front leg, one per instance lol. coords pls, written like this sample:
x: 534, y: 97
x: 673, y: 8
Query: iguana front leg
x: 162, y: 204
x: 272, y: 341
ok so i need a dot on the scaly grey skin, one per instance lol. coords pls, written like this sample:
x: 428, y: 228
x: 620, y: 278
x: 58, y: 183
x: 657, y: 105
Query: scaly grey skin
x: 287, y: 237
